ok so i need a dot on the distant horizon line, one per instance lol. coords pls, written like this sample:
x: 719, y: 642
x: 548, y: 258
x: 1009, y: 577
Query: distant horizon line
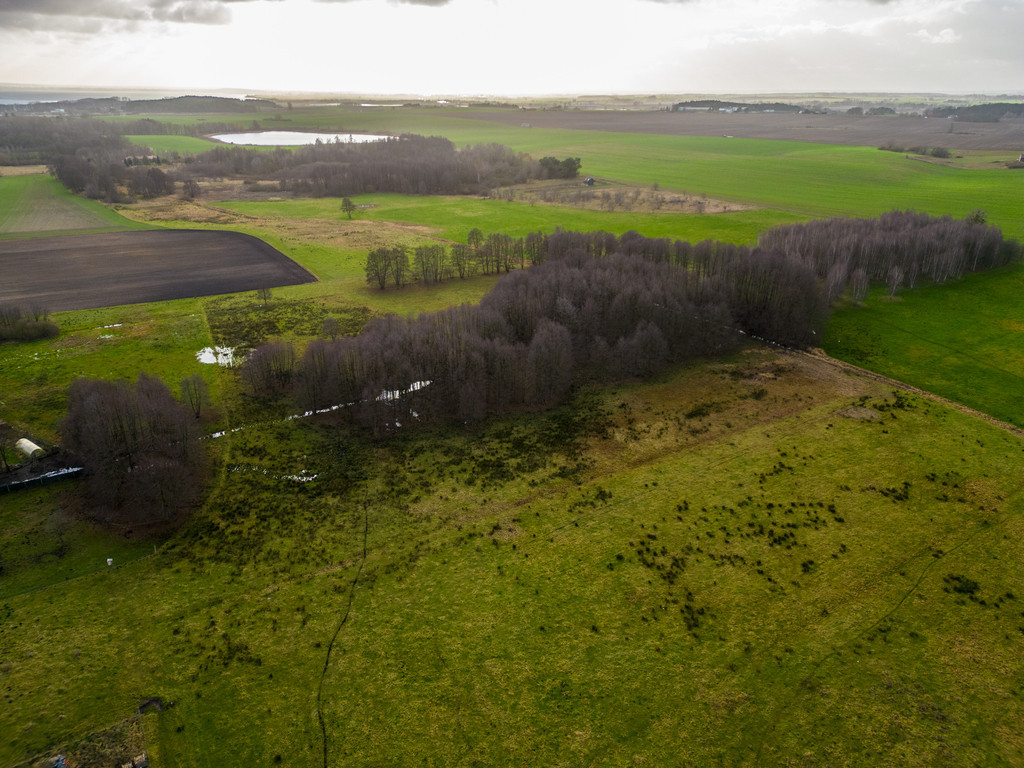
x: 243, y: 93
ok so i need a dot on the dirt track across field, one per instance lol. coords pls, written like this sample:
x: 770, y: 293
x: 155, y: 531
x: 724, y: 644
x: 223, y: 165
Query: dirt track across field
x: 105, y: 270
x: 852, y: 130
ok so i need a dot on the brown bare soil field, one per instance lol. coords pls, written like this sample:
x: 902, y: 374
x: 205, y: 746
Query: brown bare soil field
x: 104, y: 270
x: 852, y: 130
x: 21, y: 170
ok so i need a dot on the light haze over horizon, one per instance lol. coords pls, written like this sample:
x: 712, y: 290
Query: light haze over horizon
x: 516, y: 47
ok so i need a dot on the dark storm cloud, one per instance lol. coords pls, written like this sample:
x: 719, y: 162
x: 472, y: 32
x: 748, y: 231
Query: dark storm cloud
x: 82, y: 15
x: 434, y: 3
x: 90, y: 15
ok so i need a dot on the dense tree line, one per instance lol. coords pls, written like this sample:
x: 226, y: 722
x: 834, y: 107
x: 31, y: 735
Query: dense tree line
x: 38, y: 140
x: 93, y: 157
x: 138, y: 447
x: 599, y: 306
x: 113, y: 181
x: 536, y: 333
x: 840, y: 255
x: 406, y: 164
x: 980, y: 113
x: 899, y: 248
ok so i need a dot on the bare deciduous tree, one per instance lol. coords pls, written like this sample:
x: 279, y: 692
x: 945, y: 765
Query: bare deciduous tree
x: 195, y: 393
x: 138, y: 448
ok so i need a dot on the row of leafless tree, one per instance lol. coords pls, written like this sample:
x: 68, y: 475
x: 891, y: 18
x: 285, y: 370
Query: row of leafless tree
x: 573, y: 316
x: 406, y: 164
x: 897, y: 249
x: 38, y: 140
x: 112, y: 181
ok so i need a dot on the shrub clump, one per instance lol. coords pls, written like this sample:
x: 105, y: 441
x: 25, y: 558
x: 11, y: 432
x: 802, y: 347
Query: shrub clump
x: 20, y: 324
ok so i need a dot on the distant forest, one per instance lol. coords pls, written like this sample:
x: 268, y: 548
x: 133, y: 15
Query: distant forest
x: 981, y: 113
x: 89, y: 157
x: 594, y: 306
x: 715, y: 105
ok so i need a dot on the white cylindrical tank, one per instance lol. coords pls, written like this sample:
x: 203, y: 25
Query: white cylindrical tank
x: 30, y: 449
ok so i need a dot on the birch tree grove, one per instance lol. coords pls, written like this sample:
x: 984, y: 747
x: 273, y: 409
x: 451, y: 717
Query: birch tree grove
x: 596, y: 306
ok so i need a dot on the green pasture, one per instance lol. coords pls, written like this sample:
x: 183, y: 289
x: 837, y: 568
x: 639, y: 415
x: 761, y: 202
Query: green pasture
x: 160, y: 339
x: 963, y: 340
x: 42, y: 544
x: 794, y: 178
x: 451, y: 218
x: 749, y: 561
x: 161, y: 145
x: 40, y: 205
x: 610, y: 583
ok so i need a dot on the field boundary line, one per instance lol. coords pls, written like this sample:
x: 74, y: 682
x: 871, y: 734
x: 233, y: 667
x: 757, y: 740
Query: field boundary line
x: 821, y: 356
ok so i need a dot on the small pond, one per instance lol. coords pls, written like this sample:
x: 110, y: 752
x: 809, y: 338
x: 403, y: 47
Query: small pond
x: 294, y: 138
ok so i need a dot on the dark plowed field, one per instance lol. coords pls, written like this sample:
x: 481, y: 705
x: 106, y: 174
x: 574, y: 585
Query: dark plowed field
x: 87, y: 271
x: 853, y: 130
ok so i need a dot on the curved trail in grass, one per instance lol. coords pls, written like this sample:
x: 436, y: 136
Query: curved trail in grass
x: 334, y: 637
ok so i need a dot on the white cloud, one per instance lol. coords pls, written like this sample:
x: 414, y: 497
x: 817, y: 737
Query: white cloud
x: 945, y: 37
x: 516, y: 46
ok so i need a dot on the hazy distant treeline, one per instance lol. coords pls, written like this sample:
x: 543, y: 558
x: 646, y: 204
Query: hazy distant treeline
x: 92, y: 156
x: 980, y: 113
x: 406, y: 164
x: 38, y: 140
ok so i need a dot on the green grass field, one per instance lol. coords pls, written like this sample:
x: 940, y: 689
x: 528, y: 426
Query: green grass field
x: 611, y: 583
x: 39, y: 205
x: 754, y: 561
x: 165, y: 144
x: 799, y: 179
x: 452, y: 218
x: 963, y: 341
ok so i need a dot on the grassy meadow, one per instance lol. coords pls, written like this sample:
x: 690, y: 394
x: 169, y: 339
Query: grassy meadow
x: 753, y: 561
x: 794, y: 178
x: 37, y: 204
x: 693, y: 564
x: 962, y: 341
x: 163, y: 145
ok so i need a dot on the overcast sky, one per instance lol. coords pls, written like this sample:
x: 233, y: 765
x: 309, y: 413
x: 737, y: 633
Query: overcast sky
x: 516, y: 47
